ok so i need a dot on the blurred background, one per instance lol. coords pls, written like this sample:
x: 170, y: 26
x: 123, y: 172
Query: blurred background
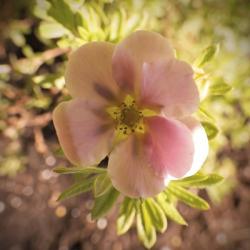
x: 35, y: 39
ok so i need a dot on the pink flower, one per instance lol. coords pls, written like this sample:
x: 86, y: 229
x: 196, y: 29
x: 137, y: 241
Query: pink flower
x: 133, y: 103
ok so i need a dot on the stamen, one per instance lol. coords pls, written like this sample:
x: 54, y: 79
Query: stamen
x: 128, y: 117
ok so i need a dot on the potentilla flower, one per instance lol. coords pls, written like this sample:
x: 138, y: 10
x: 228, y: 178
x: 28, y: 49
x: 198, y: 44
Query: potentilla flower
x: 133, y: 103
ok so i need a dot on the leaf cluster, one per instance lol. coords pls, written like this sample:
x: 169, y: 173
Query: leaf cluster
x: 74, y: 23
x: 208, y: 88
x: 150, y: 215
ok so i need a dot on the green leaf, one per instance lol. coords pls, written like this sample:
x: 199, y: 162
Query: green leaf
x: 63, y: 14
x: 80, y: 170
x: 156, y: 214
x: 114, y: 26
x: 211, y: 129
x: 187, y: 197
x: 211, y: 179
x: 219, y: 87
x: 101, y: 12
x: 188, y: 181
x: 199, y: 180
x: 84, y: 34
x: 126, y: 216
x: 51, y: 30
x: 207, y: 55
x: 77, y: 189
x: 104, y: 203
x: 205, y: 115
x: 145, y: 228
x: 170, y: 210
x: 102, y: 184
x: 48, y: 81
x: 131, y: 23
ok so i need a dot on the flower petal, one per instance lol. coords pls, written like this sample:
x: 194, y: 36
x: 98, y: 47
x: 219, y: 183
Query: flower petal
x: 130, y: 171
x: 170, y: 84
x: 89, y: 73
x: 201, y: 146
x: 84, y: 131
x: 132, y: 52
x: 168, y: 145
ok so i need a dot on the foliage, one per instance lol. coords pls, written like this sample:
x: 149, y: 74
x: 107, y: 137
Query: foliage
x: 74, y: 23
x: 150, y: 214
x: 201, y: 24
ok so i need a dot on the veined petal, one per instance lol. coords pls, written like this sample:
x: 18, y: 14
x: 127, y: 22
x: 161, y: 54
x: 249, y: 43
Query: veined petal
x: 84, y: 131
x: 130, y: 55
x: 89, y: 73
x: 170, y: 85
x: 200, y: 141
x: 130, y: 170
x: 169, y: 147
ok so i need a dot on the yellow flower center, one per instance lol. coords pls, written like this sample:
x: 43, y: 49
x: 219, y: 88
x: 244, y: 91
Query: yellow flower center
x: 128, y: 118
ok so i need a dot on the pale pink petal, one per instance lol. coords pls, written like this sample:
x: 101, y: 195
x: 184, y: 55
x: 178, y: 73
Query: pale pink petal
x: 84, y: 131
x: 89, y: 73
x: 170, y: 85
x: 130, y: 55
x: 168, y: 145
x: 130, y: 171
x: 200, y: 144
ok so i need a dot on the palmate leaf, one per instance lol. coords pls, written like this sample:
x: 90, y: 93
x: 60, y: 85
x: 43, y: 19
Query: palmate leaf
x: 126, y: 215
x: 187, y: 197
x: 170, y: 210
x: 104, y: 203
x: 145, y: 227
x: 76, y: 189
